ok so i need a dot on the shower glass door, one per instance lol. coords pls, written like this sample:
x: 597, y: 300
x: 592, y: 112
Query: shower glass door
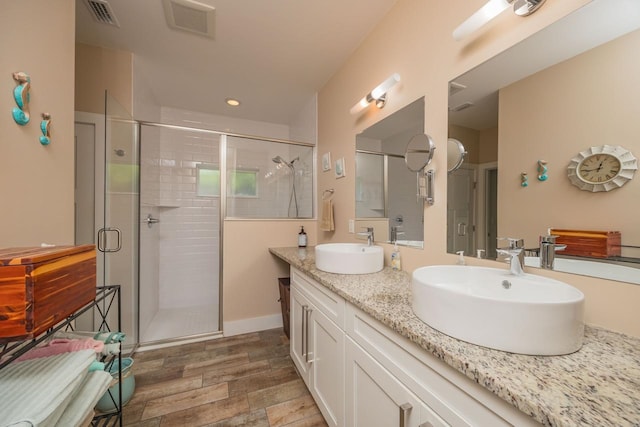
x: 180, y: 233
x: 117, y: 236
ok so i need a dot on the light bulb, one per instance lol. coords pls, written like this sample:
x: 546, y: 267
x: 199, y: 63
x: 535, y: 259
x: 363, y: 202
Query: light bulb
x: 361, y: 105
x: 383, y: 87
x: 482, y: 16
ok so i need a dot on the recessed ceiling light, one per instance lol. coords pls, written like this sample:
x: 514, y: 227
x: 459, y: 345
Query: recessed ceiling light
x: 232, y: 102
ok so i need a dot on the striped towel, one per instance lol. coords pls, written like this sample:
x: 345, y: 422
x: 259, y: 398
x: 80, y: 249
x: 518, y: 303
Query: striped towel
x: 36, y: 392
x: 85, y: 399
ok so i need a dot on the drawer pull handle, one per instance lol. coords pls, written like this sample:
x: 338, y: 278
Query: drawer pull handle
x: 303, y: 330
x: 427, y: 424
x: 404, y: 414
x: 307, y: 313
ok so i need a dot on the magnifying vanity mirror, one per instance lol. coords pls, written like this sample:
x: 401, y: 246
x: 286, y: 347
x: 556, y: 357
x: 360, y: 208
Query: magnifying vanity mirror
x: 387, y: 155
x: 455, y: 154
x: 524, y: 115
x: 419, y: 152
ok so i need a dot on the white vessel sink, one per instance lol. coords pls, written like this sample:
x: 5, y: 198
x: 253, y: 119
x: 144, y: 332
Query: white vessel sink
x: 349, y: 258
x: 493, y: 308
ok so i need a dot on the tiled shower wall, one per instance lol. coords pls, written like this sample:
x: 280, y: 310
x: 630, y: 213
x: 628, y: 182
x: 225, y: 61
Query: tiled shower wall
x: 189, y: 226
x: 274, y: 181
x: 188, y: 233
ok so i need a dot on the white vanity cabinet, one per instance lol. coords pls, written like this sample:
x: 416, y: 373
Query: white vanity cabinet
x: 445, y: 396
x: 317, y: 344
x: 374, y: 397
x: 362, y: 373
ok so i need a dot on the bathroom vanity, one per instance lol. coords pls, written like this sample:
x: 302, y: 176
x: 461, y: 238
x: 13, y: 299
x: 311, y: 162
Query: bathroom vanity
x: 369, y: 361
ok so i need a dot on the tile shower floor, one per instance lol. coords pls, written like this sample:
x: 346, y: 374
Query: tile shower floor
x: 180, y: 322
x: 246, y: 380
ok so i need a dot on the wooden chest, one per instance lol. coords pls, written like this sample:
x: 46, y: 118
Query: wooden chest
x: 39, y: 287
x: 594, y: 244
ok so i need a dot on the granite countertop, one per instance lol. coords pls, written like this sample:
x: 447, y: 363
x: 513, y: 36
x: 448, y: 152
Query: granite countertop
x: 599, y: 385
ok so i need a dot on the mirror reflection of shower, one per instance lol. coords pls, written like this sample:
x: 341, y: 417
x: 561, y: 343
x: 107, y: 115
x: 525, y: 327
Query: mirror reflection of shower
x: 293, y: 197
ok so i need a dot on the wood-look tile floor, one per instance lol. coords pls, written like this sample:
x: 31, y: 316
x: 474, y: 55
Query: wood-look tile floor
x: 245, y: 380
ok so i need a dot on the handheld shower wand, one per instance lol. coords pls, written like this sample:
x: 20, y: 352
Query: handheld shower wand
x: 293, y: 197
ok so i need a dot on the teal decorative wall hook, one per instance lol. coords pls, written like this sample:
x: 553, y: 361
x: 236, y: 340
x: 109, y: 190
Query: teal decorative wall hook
x: 524, y: 179
x: 21, y: 96
x: 44, y: 127
x: 542, y: 170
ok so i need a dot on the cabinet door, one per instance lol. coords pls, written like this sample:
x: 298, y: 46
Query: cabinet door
x: 375, y: 398
x: 299, y: 332
x: 326, y: 355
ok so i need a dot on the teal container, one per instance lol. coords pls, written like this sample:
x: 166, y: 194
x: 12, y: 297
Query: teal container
x: 105, y: 404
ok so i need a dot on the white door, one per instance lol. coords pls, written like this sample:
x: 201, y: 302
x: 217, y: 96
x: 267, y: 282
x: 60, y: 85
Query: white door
x: 374, y: 397
x: 460, y: 211
x: 326, y: 355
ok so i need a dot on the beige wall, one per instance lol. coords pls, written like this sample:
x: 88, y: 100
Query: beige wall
x: 250, y: 286
x: 37, y: 181
x: 481, y: 145
x: 488, y: 145
x: 415, y: 40
x: 99, y: 69
x: 572, y: 114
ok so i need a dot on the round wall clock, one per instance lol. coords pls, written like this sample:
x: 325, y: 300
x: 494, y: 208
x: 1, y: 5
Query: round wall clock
x: 602, y: 168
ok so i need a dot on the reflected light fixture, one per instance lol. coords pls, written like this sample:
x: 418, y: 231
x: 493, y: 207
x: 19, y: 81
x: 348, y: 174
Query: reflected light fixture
x: 378, y: 94
x: 492, y: 9
x: 232, y: 102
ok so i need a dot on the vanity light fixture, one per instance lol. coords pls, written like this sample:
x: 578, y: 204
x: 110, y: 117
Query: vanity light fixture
x: 232, y: 102
x: 492, y: 9
x: 377, y: 95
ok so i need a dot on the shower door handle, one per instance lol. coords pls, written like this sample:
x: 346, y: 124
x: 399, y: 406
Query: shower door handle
x: 103, y: 240
x: 462, y: 229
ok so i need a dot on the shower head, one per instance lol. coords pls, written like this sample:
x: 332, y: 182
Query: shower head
x: 280, y: 161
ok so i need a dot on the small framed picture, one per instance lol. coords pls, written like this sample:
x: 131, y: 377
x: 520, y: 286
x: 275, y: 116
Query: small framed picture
x: 326, y: 162
x: 339, y: 171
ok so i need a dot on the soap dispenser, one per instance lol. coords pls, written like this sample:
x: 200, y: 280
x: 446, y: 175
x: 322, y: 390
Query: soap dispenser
x: 396, y: 264
x: 461, y: 260
x: 302, y: 238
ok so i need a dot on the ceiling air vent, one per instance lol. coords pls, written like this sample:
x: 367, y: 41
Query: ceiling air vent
x: 190, y: 16
x: 461, y: 107
x: 101, y: 12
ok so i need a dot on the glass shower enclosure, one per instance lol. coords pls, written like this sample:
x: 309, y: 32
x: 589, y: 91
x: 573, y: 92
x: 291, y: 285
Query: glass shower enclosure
x: 153, y: 198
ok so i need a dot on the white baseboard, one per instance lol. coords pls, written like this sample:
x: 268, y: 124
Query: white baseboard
x: 255, y: 324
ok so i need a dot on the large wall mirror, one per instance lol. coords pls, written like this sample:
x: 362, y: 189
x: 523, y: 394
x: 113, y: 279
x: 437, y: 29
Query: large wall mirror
x: 565, y: 89
x: 386, y: 190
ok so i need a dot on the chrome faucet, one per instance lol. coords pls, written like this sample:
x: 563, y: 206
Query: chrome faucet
x: 514, y: 260
x: 548, y: 248
x: 515, y: 252
x: 369, y: 234
x: 395, y: 232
